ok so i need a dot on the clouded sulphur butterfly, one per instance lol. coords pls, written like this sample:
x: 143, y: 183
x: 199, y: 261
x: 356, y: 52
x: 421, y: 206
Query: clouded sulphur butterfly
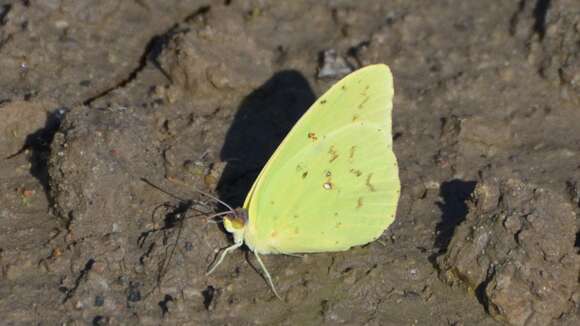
x: 333, y: 183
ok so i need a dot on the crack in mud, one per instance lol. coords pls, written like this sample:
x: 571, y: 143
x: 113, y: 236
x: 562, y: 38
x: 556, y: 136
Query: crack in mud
x: 82, y: 276
x: 150, y: 54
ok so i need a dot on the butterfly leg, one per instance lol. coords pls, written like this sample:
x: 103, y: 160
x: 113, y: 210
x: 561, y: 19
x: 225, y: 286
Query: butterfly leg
x: 267, y: 275
x: 224, y: 253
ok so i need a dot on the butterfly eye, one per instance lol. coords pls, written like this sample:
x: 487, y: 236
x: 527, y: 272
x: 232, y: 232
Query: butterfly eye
x: 236, y: 222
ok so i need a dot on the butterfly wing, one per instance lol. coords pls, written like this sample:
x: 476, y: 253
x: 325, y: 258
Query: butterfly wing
x: 333, y: 183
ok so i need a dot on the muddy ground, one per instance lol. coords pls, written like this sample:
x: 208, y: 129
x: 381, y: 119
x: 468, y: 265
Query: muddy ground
x: 96, y: 95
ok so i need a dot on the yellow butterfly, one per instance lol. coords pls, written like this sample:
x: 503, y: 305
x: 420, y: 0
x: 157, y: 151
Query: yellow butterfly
x: 333, y: 183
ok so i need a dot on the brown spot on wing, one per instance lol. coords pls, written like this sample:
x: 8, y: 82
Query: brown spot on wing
x: 312, y: 136
x: 368, y: 182
x: 364, y: 92
x: 304, y: 174
x: 359, y: 202
x: 352, y: 150
x: 323, y: 102
x: 333, y: 154
x: 360, y: 106
x: 358, y: 173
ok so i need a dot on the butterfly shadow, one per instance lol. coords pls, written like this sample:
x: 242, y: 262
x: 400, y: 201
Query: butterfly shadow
x: 262, y: 121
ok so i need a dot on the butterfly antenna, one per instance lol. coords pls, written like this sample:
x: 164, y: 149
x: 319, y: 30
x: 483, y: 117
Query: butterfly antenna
x: 223, y: 254
x: 214, y: 198
x: 218, y: 215
x: 268, y: 277
x: 161, y: 189
x: 196, y: 190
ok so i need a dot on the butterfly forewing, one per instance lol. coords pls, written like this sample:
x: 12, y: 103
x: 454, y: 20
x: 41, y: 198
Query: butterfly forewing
x: 333, y: 183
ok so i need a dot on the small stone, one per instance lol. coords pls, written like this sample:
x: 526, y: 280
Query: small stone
x: 333, y: 65
x: 99, y: 301
x: 134, y: 294
x: 100, y: 320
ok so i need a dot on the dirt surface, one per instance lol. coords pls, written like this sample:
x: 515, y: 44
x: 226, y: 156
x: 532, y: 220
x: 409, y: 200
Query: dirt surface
x: 97, y: 95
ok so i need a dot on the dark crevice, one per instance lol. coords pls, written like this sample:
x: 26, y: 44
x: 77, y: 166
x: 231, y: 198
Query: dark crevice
x: 208, y: 296
x: 480, y: 289
x: 164, y: 304
x: 454, y: 210
x: 573, y: 189
x: 4, y: 10
x: 540, y: 13
x: 83, y: 274
x: 537, y: 14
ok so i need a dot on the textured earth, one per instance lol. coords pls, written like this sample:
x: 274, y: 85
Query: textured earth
x: 99, y: 97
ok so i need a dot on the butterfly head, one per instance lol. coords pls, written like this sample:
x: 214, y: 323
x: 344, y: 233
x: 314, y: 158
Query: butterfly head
x: 235, y: 223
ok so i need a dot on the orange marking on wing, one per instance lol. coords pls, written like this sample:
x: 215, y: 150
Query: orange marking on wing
x: 351, y: 154
x: 358, y: 173
x: 368, y: 183
x: 360, y: 106
x: 333, y: 154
